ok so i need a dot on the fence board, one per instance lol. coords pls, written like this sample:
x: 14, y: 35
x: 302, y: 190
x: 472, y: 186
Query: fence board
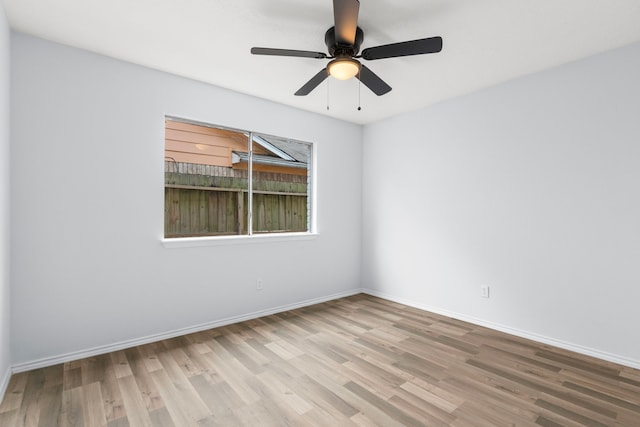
x: 206, y: 205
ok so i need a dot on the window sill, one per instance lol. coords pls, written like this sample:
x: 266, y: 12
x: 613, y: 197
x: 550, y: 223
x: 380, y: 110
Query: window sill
x: 192, y: 242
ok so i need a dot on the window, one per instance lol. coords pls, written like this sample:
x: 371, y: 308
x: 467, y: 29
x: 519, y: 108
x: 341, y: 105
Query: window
x: 221, y: 181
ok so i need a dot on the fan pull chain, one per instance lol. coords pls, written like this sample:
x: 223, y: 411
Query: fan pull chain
x: 359, y: 84
x: 328, y: 80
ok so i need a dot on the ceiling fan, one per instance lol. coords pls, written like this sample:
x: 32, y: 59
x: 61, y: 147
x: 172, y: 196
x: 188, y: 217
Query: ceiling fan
x: 343, y: 41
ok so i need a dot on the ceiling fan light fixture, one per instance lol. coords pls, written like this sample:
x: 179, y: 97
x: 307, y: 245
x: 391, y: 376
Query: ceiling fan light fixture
x: 343, y: 68
x: 343, y: 42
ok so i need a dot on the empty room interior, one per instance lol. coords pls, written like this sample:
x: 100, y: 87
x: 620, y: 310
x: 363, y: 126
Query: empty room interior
x: 204, y: 222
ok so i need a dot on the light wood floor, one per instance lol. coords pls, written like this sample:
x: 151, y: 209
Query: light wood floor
x: 356, y: 361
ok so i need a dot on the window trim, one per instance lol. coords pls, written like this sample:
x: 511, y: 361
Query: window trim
x: 250, y: 237
x: 193, y: 242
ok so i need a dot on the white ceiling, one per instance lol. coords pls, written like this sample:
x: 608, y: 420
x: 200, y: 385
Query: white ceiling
x: 485, y: 42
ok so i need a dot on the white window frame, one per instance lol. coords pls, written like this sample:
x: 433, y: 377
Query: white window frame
x: 250, y: 237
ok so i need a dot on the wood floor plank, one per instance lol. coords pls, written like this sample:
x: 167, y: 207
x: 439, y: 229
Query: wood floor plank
x: 8, y: 417
x: 183, y: 411
x: 50, y: 404
x: 383, y: 384
x: 607, y: 386
x: 120, y: 364
x: 235, y: 375
x: 483, y: 413
x: 113, y: 405
x: 150, y: 357
x: 219, y: 397
x: 148, y: 390
x: 133, y: 402
x: 427, y: 397
x: 427, y: 414
x: 53, y: 376
x: 362, y: 420
x: 245, y: 354
x: 185, y: 396
x: 282, y: 349
x: 71, y: 377
x: 628, y: 404
x: 569, y: 414
x: 93, y: 369
x: 161, y: 418
x: 29, y: 412
x: 190, y: 362
x: 280, y: 392
x: 356, y: 361
x: 93, y: 409
x: 514, y: 404
x: 323, y: 397
x: 15, y: 392
x: 633, y: 374
x: 120, y: 422
x: 72, y: 413
x: 404, y: 418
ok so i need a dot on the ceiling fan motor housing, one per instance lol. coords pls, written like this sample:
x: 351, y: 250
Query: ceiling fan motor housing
x: 341, y: 50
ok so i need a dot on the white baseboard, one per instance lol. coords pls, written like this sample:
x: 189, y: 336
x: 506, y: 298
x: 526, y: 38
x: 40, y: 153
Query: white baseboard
x: 67, y: 357
x: 4, y: 383
x: 506, y: 329
x: 54, y: 360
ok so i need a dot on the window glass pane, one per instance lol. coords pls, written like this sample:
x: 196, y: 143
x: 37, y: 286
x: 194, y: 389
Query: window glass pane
x: 281, y: 183
x: 206, y: 185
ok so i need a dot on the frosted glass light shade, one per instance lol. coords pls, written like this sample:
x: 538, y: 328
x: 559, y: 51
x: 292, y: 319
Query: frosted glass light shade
x: 343, y: 68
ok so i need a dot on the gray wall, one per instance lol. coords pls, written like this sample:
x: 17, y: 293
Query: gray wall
x: 531, y: 187
x: 5, y: 347
x: 88, y: 266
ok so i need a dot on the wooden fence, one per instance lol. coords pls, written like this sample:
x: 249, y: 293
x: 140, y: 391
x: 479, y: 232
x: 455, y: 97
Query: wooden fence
x: 210, y: 205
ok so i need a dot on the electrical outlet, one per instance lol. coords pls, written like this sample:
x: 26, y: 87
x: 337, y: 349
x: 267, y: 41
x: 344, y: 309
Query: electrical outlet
x: 259, y: 284
x: 484, y: 291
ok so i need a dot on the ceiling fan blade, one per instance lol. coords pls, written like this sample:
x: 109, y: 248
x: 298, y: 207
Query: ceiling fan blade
x: 413, y: 47
x: 313, y: 83
x: 287, y: 52
x: 372, y: 81
x: 345, y: 17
